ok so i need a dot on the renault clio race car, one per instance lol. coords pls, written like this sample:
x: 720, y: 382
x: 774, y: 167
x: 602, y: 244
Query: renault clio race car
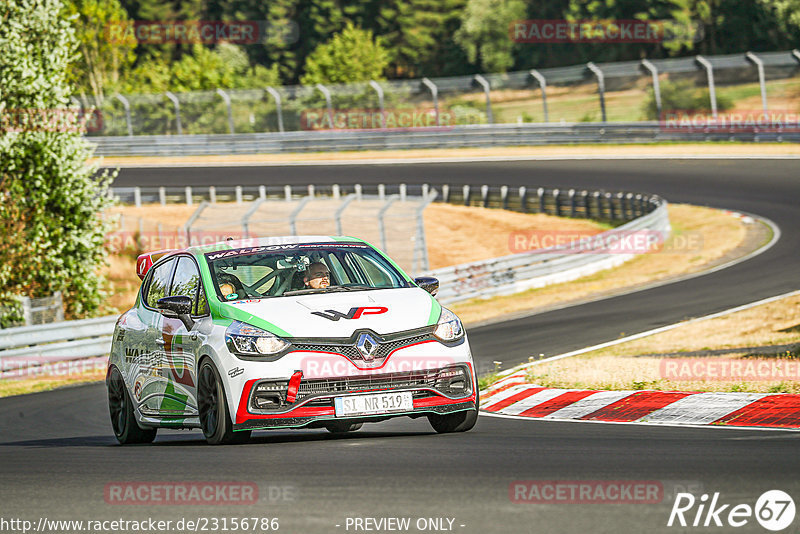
x: 285, y: 332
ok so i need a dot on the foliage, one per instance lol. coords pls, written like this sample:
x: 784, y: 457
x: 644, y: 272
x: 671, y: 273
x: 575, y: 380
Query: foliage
x: 484, y: 32
x: 104, y: 55
x: 51, y: 234
x: 353, y: 55
x: 682, y: 95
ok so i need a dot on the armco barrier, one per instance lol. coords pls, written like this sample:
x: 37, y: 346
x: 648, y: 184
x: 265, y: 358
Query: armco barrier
x: 456, y: 137
x: 519, y: 272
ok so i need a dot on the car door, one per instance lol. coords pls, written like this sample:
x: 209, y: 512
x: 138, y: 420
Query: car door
x: 181, y: 346
x: 150, y: 381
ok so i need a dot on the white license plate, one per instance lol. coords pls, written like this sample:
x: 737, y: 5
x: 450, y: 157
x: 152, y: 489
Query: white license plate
x: 400, y: 401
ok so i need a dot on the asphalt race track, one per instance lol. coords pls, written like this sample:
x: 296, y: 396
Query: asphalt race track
x: 58, y: 454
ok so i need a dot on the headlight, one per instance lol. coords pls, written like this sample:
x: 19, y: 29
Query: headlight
x: 449, y: 326
x: 245, y: 339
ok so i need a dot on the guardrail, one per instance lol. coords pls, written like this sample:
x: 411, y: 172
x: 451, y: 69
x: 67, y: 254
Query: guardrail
x: 523, y: 271
x: 29, y: 347
x: 456, y: 137
x: 33, y: 347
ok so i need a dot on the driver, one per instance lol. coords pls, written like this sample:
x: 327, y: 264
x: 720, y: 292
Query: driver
x: 317, y: 276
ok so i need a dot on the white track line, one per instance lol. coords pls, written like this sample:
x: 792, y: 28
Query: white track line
x: 640, y: 423
x: 454, y: 159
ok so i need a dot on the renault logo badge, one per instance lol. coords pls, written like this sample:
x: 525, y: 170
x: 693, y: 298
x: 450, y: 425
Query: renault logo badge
x: 367, y: 345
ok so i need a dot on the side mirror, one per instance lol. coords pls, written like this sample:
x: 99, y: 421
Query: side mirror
x: 178, y: 307
x: 428, y: 283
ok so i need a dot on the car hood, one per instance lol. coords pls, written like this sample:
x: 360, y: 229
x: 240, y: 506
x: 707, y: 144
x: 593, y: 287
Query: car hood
x: 383, y: 311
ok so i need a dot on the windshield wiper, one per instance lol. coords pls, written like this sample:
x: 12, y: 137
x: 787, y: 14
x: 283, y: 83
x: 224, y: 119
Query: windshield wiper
x: 311, y: 290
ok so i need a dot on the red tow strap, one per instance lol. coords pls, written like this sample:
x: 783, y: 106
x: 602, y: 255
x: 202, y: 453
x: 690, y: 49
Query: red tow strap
x: 294, y: 385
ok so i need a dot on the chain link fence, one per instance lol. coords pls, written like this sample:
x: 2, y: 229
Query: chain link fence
x: 580, y: 93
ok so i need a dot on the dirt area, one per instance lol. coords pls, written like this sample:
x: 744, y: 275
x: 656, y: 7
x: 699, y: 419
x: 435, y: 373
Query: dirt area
x: 701, y: 238
x: 696, y: 354
x: 650, y: 150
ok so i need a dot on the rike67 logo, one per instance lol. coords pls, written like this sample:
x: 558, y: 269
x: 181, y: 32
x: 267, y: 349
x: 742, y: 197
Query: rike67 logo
x: 774, y: 510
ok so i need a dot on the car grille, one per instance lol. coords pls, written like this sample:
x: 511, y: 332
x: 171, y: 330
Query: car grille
x: 367, y: 383
x: 350, y: 351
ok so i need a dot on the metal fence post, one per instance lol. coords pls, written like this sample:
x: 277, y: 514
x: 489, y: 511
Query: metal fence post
x: 137, y: 196
x: 712, y: 92
x: 761, y: 81
x: 335, y: 191
x: 504, y: 196
x: 262, y: 192
x: 381, y: 225
x: 523, y: 199
x: 611, y: 212
x: 557, y: 200
x: 287, y: 192
x: 162, y: 196
x: 227, y: 100
x: 127, y: 106
x: 311, y: 190
x: 295, y: 213
x: 587, y: 210
x: 543, y: 86
x: 358, y: 190
x: 338, y: 215
x: 420, y: 242
x: 379, y: 90
x: 540, y: 193
x: 160, y: 236
x: 446, y: 193
x: 188, y: 192
x: 601, y: 86
x: 212, y: 194
x: 248, y: 214
x: 425, y: 190
x: 597, y: 205
x: 485, y: 196
x: 277, y: 96
x: 434, y: 96
x: 177, y: 105
x: 466, y: 195
x: 403, y: 191
x: 571, y: 194
x: 327, y: 94
x: 238, y: 192
x: 381, y: 191
x: 656, y: 85
x: 486, y: 90
x: 187, y: 227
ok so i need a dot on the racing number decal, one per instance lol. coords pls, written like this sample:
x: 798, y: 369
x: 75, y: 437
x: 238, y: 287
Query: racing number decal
x: 354, y: 313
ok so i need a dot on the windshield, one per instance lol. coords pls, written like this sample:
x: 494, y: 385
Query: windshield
x: 285, y: 270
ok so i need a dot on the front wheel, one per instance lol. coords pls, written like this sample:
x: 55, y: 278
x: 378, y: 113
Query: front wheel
x: 120, y: 407
x: 456, y: 422
x: 215, y: 419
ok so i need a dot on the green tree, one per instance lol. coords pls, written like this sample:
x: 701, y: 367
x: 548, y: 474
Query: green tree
x: 51, y: 231
x: 353, y: 55
x: 106, y: 52
x: 484, y: 32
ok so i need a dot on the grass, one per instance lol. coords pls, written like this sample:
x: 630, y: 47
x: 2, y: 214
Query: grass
x: 746, y: 337
x: 720, y: 235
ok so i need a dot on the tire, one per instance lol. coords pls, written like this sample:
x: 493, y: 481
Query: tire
x: 455, y: 422
x: 215, y: 419
x: 120, y: 408
x: 342, y: 427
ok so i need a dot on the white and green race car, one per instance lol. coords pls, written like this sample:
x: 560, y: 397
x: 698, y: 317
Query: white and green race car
x: 285, y: 332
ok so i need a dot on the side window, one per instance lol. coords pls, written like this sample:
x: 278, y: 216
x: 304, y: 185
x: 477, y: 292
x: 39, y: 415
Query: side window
x: 337, y: 270
x: 377, y: 274
x: 186, y: 282
x: 159, y: 283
